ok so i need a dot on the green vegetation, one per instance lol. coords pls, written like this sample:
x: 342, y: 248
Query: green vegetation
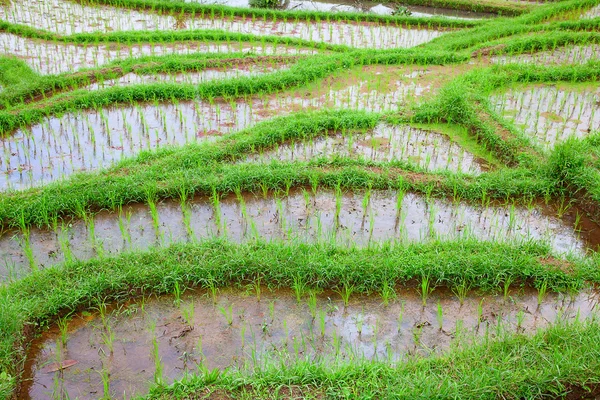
x: 454, y: 76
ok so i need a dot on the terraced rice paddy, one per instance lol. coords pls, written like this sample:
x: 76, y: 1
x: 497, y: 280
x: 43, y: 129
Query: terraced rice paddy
x: 312, y: 200
x: 560, y: 55
x: 551, y: 113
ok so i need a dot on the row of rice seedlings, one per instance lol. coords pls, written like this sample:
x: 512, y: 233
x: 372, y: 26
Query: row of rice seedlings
x: 56, y: 57
x: 577, y: 54
x: 244, y: 335
x: 114, y: 19
x: 353, y: 220
x: 187, y: 77
x: 86, y: 140
x: 551, y: 114
x: 425, y: 148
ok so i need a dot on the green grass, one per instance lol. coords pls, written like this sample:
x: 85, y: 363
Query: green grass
x: 547, y: 364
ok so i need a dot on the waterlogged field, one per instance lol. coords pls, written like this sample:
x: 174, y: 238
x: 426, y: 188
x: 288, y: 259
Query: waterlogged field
x: 258, y: 199
x: 345, y: 219
x: 552, y: 113
x: 237, y: 329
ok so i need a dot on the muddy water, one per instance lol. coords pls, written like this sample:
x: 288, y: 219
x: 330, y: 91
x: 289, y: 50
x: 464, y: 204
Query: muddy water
x: 552, y: 113
x: 66, y: 18
x: 54, y: 58
x: 425, y: 148
x: 188, y: 77
x: 237, y: 330
x: 579, y: 54
x: 60, y: 146
x: 346, y: 219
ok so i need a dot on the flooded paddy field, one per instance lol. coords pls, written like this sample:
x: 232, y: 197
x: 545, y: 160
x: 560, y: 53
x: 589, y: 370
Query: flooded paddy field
x: 345, y: 219
x: 188, y: 77
x: 592, y: 13
x: 390, y: 263
x: 426, y: 148
x: 561, y: 55
x: 120, y: 349
x: 88, y: 140
x: 52, y: 16
x: 549, y: 114
x: 55, y: 58
x: 371, y: 7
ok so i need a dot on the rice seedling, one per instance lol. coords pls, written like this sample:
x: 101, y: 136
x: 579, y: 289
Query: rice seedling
x: 227, y: 312
x: 188, y: 312
x: 177, y: 294
x: 345, y: 292
x: 300, y: 288
x: 440, y: 316
x: 312, y: 304
x: 322, y: 315
x: 387, y: 293
x: 461, y: 290
x: 425, y: 289
x: 105, y: 377
x: 542, y: 290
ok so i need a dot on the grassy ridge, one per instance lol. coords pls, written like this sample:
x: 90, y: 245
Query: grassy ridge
x: 575, y: 166
x: 161, y: 37
x: 299, y: 74
x: 527, y: 23
x: 42, y: 296
x: 30, y: 86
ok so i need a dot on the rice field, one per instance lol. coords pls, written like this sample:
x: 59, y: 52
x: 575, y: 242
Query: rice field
x: 294, y: 199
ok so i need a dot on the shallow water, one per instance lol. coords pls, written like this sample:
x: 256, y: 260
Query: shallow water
x: 550, y: 114
x: 579, y: 54
x: 358, y: 6
x: 54, y: 58
x: 275, y: 329
x: 65, y: 17
x: 346, y: 219
x: 87, y: 140
x: 208, y: 74
x: 425, y: 148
